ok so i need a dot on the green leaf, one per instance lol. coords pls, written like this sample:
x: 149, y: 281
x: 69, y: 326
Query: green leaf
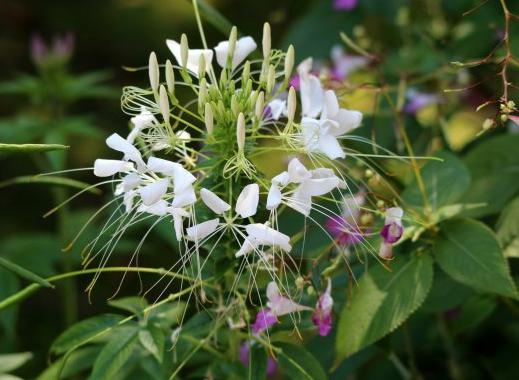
x: 508, y: 229
x: 445, y: 293
x: 49, y: 180
x: 83, y: 331
x: 78, y: 361
x: 258, y: 363
x: 445, y: 182
x: 494, y: 167
x: 115, y: 354
x: 474, y: 311
x: 153, y: 340
x: 468, y: 251
x: 134, y: 305
x: 10, y: 362
x: 298, y: 363
x: 381, y: 302
x: 24, y: 273
x: 213, y: 17
x: 30, y: 148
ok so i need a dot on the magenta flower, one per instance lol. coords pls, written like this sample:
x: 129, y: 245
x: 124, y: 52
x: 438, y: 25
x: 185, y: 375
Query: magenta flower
x: 264, y: 319
x: 244, y: 358
x: 344, y: 5
x: 58, y: 52
x: 322, y: 317
x: 391, y: 232
x: 344, y: 228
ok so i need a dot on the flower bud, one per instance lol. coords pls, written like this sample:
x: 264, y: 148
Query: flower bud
x: 271, y: 79
x: 184, y: 50
x: 245, y: 75
x: 153, y: 72
x: 260, y: 103
x: 208, y: 118
x: 201, y: 66
x: 266, y: 42
x: 240, y: 132
x: 232, y: 46
x: 164, y: 104
x: 170, y: 77
x: 202, y: 94
x: 234, y: 105
x: 291, y: 104
x: 289, y: 62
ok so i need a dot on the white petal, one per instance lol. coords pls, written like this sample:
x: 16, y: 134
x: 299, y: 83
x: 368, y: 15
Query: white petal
x: 184, y: 198
x: 140, y: 122
x: 346, y: 121
x: 131, y: 153
x: 178, y: 221
x: 272, y: 291
x: 107, y: 168
x: 300, y: 201
x: 311, y: 131
x: 394, y: 215
x: 154, y: 191
x: 247, y: 203
x: 182, y: 178
x: 319, y: 186
x: 281, y: 179
x: 330, y: 146
x: 305, y: 67
x: 274, y: 197
x: 200, y: 231
x: 214, y: 202
x: 264, y: 235
x: 331, y: 105
x: 159, y: 165
x: 159, y: 208
x: 128, y: 199
x: 248, y: 245
x: 281, y: 305
x: 297, y: 171
x: 193, y: 56
x: 311, y: 95
x: 131, y: 181
x: 277, y: 108
x: 244, y: 46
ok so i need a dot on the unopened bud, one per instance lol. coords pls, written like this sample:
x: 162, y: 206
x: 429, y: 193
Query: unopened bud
x: 184, y: 50
x: 232, y: 46
x: 310, y: 290
x: 266, y: 42
x: 271, y: 79
x: 291, y: 104
x: 234, y: 105
x: 202, y: 94
x: 488, y: 123
x: 240, y: 132
x: 170, y: 77
x: 201, y: 66
x: 164, y: 104
x: 223, y: 78
x: 289, y: 62
x: 246, y: 72
x: 368, y: 173
x: 208, y: 117
x: 153, y: 72
x: 300, y: 282
x: 380, y: 203
x: 260, y: 103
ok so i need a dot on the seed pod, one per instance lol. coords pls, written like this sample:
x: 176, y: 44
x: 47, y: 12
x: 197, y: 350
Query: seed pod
x: 170, y: 77
x: 164, y: 104
x: 208, y: 117
x: 266, y: 42
x: 153, y: 72
x: 291, y: 104
x: 289, y: 62
x: 240, y: 132
x: 184, y: 50
x: 260, y: 103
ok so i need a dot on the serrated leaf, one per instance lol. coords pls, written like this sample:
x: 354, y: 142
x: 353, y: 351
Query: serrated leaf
x: 298, y: 363
x: 30, y: 148
x: 258, y: 363
x: 508, y: 229
x: 445, y: 182
x: 134, y: 305
x: 83, y: 331
x: 10, y: 362
x: 445, y: 293
x: 24, y: 273
x: 381, y: 302
x: 115, y: 354
x: 153, y: 340
x: 468, y: 251
x: 474, y: 311
x: 78, y: 361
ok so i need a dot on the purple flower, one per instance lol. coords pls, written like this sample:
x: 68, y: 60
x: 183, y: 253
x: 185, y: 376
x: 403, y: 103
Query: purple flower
x: 244, y: 358
x: 418, y: 100
x: 58, y: 53
x: 344, y: 228
x: 264, y: 319
x: 344, y: 64
x: 322, y: 316
x: 295, y: 82
x: 344, y: 5
x: 391, y: 232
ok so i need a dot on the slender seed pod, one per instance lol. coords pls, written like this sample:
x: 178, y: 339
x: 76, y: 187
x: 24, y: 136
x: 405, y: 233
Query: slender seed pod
x: 240, y: 132
x: 184, y: 50
x: 164, y: 104
x: 153, y: 72
x: 208, y: 118
x: 289, y: 62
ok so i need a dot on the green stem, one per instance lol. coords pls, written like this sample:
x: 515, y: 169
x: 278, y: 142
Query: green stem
x: 31, y: 289
x: 453, y: 366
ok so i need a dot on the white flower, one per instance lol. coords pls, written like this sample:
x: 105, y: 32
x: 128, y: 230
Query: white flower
x: 140, y: 122
x: 262, y: 235
x: 154, y: 191
x: 202, y: 230
x: 247, y: 203
x: 275, y: 109
x: 193, y: 56
x: 244, y: 46
x: 107, y: 168
x: 214, y: 202
x: 280, y: 305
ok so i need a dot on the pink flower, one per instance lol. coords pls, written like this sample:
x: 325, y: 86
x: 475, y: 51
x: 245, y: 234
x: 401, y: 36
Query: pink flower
x: 264, y: 319
x: 391, y: 232
x: 418, y: 100
x: 244, y: 358
x: 322, y: 317
x: 344, y: 64
x: 344, y: 228
x: 344, y: 5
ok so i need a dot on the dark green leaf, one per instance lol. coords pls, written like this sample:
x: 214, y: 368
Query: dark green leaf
x: 445, y: 293
x: 298, y: 363
x: 469, y: 252
x: 508, y: 229
x: 24, y: 273
x: 10, y: 362
x: 474, y: 311
x: 78, y: 361
x: 115, y: 354
x: 381, y: 302
x: 153, y: 340
x: 258, y: 362
x: 134, y: 305
x: 84, y: 330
